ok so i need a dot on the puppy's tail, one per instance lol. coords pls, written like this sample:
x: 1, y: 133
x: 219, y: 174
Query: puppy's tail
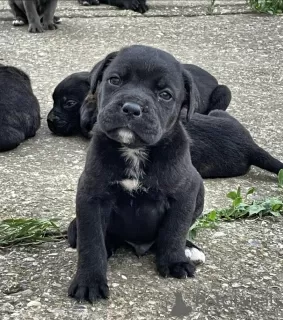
x: 262, y: 159
x: 220, y: 98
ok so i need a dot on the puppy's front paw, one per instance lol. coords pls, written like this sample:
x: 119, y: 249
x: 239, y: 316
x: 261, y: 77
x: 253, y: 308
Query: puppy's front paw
x: 89, y: 288
x: 49, y: 25
x: 35, y: 28
x: 180, y: 270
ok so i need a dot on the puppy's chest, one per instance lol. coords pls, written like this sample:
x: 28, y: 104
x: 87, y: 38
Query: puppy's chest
x: 133, y: 177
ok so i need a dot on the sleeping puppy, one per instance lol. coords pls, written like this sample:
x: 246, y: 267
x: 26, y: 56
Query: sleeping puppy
x: 138, y: 184
x: 211, y: 96
x: 38, y: 14
x: 68, y: 96
x: 19, y: 108
x: 135, y: 5
x: 222, y: 147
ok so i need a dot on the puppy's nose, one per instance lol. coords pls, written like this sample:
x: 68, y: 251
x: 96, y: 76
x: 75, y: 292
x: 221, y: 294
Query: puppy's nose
x: 132, y: 108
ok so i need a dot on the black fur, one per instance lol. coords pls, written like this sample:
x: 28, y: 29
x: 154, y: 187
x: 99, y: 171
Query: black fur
x: 222, y: 147
x: 38, y: 14
x: 135, y: 5
x: 19, y: 108
x: 68, y: 96
x: 139, y: 105
x: 210, y: 96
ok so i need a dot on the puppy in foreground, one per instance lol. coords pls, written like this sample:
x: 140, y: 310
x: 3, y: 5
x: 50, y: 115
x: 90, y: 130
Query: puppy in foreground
x: 19, y: 108
x: 138, y: 184
x: 38, y: 14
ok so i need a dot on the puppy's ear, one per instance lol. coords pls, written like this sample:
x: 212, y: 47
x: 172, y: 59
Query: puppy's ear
x: 98, y: 70
x: 88, y: 114
x: 192, y: 99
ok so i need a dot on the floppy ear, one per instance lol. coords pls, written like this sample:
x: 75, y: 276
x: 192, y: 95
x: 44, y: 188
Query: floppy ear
x: 88, y: 114
x: 97, y: 71
x: 192, y: 99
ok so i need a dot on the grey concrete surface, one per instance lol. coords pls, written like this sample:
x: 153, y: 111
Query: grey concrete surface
x: 243, y: 274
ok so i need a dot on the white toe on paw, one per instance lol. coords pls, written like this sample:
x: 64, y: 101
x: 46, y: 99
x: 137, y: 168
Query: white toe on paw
x: 195, y: 255
x: 18, y: 23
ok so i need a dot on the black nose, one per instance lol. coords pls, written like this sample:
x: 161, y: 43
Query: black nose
x: 132, y: 108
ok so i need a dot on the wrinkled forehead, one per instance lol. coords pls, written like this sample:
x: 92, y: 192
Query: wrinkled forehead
x: 157, y: 66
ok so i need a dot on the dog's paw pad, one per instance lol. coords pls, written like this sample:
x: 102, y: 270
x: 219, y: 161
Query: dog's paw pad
x: 195, y: 255
x: 18, y: 22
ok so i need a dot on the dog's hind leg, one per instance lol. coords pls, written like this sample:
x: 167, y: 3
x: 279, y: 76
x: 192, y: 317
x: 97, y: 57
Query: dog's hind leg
x: 220, y: 98
x: 72, y: 234
x: 262, y: 159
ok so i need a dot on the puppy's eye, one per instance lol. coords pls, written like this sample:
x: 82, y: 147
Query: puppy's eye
x: 115, y: 81
x: 165, y: 95
x: 70, y: 104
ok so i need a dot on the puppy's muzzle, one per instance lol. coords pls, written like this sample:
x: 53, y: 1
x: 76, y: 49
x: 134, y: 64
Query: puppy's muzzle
x: 132, y: 109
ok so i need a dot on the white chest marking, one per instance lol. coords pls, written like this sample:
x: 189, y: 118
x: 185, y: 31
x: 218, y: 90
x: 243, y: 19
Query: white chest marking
x: 135, y: 159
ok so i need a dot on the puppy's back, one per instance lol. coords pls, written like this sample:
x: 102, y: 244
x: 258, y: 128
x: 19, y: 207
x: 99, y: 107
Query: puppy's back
x: 19, y: 108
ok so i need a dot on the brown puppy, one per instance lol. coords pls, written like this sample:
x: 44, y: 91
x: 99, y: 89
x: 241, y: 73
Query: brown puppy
x: 38, y: 14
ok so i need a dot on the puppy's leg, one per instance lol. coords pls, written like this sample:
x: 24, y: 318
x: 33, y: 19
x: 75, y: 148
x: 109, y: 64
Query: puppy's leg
x: 19, y: 15
x: 262, y: 159
x: 32, y: 16
x: 112, y: 243
x: 48, y: 22
x: 90, y: 282
x: 220, y: 98
x: 171, y: 240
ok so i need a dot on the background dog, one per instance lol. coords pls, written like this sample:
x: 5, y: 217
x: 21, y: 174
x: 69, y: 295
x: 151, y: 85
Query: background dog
x: 135, y: 5
x: 19, y: 108
x: 135, y: 186
x: 68, y: 96
x: 38, y: 14
x: 64, y: 121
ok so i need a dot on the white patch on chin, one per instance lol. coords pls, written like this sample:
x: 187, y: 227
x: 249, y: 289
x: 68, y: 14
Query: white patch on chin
x: 130, y: 184
x: 195, y: 255
x: 126, y: 136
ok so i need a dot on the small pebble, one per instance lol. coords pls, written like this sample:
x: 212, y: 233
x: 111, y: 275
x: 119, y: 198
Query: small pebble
x: 70, y: 250
x: 218, y: 234
x: 124, y: 277
x: 29, y: 259
x: 34, y: 304
x: 114, y: 285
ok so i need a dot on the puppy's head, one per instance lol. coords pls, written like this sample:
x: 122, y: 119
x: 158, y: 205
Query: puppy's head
x: 140, y: 93
x: 68, y: 96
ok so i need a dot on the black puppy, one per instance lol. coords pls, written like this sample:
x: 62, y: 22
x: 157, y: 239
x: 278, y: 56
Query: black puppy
x: 222, y: 147
x: 135, y: 5
x: 38, y: 14
x: 19, y: 108
x: 211, y: 96
x: 68, y: 96
x: 139, y: 184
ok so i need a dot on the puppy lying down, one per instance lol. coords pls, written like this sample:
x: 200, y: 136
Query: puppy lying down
x: 19, y: 108
x: 138, y: 184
